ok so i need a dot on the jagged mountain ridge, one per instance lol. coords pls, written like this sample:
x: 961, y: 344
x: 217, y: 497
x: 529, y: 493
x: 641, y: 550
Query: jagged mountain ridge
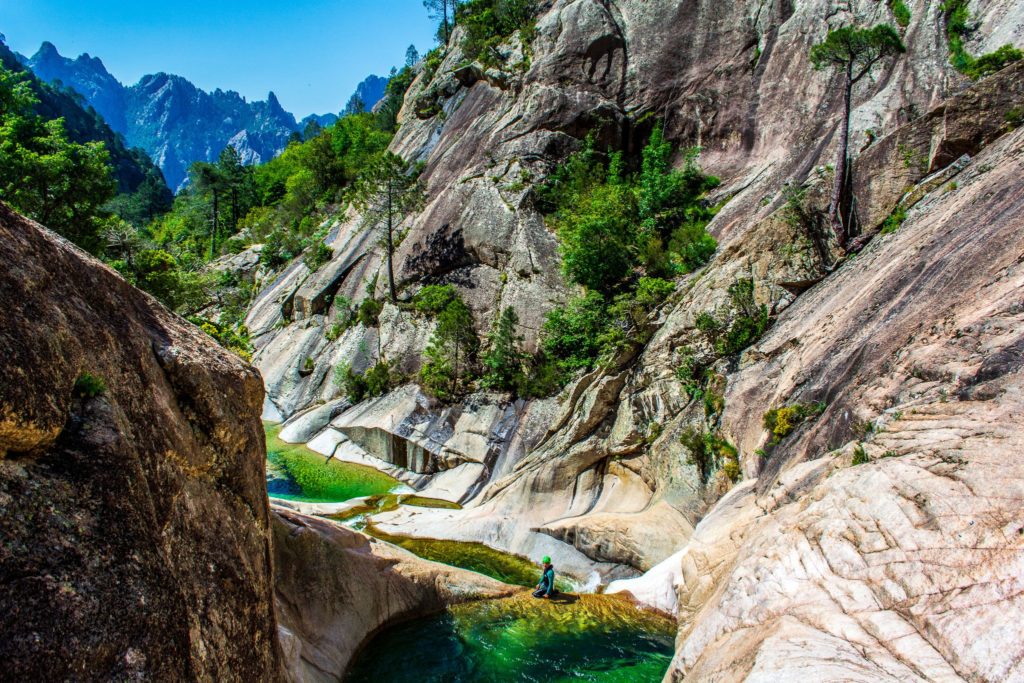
x: 173, y: 120
x: 131, y: 167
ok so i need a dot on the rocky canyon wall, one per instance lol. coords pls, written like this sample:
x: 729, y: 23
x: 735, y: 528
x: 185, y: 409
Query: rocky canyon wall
x: 133, y: 508
x: 734, y: 79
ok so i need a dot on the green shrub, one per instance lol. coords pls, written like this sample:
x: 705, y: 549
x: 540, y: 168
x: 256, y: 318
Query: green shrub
x: 88, y: 385
x: 708, y: 452
x: 233, y: 337
x: 742, y: 324
x: 451, y: 356
x: 503, y: 362
x: 782, y: 421
x: 369, y: 312
x: 318, y: 255
x: 489, y: 23
x: 994, y: 61
x: 570, y: 333
x: 1015, y: 117
x: 894, y: 220
x: 610, y: 222
x: 860, y: 456
x: 958, y: 29
x: 900, y: 12
x: 433, y: 299
x: 376, y: 381
x: 544, y: 377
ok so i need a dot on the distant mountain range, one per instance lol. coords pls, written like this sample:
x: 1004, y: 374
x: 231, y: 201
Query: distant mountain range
x: 178, y: 123
x: 131, y: 167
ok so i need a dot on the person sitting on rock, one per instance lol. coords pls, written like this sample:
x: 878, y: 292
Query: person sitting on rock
x: 546, y: 587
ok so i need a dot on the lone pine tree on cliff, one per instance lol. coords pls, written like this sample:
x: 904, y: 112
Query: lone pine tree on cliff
x: 852, y: 52
x: 388, y: 191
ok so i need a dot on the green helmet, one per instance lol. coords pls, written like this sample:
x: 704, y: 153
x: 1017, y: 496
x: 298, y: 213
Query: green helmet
x: 546, y: 560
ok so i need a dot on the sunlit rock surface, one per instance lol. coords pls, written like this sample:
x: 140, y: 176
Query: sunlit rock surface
x: 135, y: 521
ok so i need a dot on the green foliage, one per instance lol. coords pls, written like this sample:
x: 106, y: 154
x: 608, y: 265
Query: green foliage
x: 610, y: 223
x: 159, y: 273
x: 489, y: 23
x: 44, y: 175
x: 142, y: 192
x: 504, y: 359
x: 88, y: 385
x: 782, y: 421
x: 958, y: 29
x: 900, y: 12
x: 570, y: 336
x: 994, y: 61
x: 894, y: 220
x: 368, y: 313
x: 1015, y: 117
x: 234, y: 338
x: 433, y: 299
x: 346, y: 317
x: 860, y: 456
x: 856, y: 50
x: 376, y: 381
x: 598, y: 238
x: 708, y: 451
x: 451, y: 356
x: 318, y: 255
x: 386, y: 192
x: 544, y: 377
x: 627, y: 315
x: 740, y: 325
x: 394, y: 96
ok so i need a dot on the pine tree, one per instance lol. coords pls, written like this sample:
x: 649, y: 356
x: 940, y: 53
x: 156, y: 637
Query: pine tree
x: 207, y: 180
x: 853, y: 52
x: 503, y: 362
x: 386, y: 192
x: 451, y: 355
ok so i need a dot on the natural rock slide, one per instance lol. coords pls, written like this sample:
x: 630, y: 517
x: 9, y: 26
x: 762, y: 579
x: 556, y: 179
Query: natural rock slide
x: 881, y: 538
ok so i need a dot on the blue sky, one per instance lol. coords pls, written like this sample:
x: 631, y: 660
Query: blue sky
x: 311, y: 53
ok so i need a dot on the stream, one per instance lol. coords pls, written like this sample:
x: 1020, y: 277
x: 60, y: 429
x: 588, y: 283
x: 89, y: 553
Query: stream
x: 576, y: 637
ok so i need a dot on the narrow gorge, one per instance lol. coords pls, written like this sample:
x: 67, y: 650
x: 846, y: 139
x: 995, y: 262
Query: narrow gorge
x: 592, y: 293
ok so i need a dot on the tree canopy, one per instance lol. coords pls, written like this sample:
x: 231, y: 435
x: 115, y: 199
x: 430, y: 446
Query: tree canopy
x: 856, y: 50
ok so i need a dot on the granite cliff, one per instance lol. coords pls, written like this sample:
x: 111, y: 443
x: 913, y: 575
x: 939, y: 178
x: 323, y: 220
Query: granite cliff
x: 908, y: 348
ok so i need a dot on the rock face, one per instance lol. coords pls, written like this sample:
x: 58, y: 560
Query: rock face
x: 579, y: 475
x: 907, y: 567
x: 912, y: 346
x: 336, y: 587
x: 134, y: 514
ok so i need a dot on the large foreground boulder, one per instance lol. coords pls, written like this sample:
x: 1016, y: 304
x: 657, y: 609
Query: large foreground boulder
x: 136, y: 542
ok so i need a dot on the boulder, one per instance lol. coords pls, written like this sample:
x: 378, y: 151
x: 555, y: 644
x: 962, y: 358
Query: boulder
x: 132, y: 495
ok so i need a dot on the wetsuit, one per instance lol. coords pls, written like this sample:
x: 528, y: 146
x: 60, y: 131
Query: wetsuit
x: 547, y: 583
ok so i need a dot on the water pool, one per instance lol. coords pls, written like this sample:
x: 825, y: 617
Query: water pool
x: 476, y: 557
x: 597, y: 638
x: 296, y: 473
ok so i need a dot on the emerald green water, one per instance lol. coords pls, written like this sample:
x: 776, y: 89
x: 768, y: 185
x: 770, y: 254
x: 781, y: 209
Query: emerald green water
x: 476, y: 557
x: 598, y: 638
x: 296, y: 473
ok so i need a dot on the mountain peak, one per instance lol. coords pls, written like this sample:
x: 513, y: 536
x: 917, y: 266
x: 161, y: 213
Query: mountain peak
x: 47, y: 49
